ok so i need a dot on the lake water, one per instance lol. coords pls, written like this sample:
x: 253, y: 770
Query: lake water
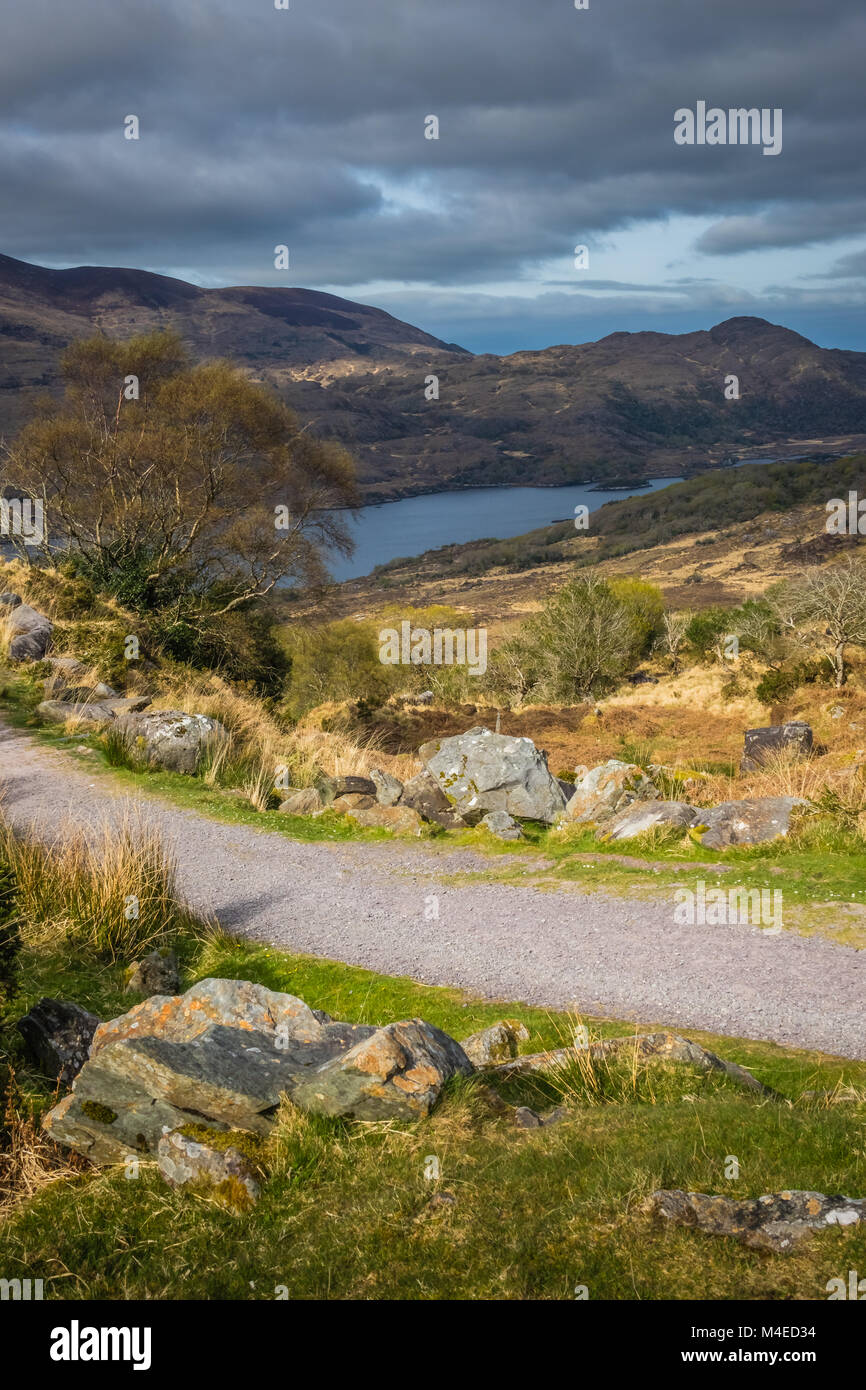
x: 416, y: 524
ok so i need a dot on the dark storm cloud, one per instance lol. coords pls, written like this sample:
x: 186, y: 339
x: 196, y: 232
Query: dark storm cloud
x: 305, y: 126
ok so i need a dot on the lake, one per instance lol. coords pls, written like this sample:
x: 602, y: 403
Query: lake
x: 415, y: 524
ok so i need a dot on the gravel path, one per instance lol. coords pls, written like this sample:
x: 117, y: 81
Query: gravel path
x: 365, y: 904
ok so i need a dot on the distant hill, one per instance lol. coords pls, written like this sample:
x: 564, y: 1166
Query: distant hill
x: 629, y: 406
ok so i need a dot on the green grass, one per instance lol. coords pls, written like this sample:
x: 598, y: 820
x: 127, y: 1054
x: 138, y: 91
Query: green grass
x: 346, y: 1210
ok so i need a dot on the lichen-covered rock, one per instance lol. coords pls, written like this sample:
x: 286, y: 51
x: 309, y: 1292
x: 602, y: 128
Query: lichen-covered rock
x: 156, y: 973
x: 646, y: 815
x: 600, y: 793
x: 57, y: 1036
x: 775, y: 1222
x: 223, y: 1162
x: 397, y: 1073
x: 29, y: 633
x: 302, y: 801
x: 498, y: 1043
x: 480, y: 771
x: 172, y: 739
x: 748, y: 822
x: 388, y: 789
x: 503, y: 826
x: 759, y: 744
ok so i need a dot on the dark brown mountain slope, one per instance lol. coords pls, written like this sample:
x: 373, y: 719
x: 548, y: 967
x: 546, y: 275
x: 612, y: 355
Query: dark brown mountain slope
x: 629, y: 406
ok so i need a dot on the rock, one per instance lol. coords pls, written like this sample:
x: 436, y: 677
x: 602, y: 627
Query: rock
x: 67, y: 666
x: 302, y: 801
x: 480, y: 771
x: 398, y: 1073
x: 424, y: 795
x: 171, y: 739
x: 402, y: 820
x: 59, y: 711
x: 758, y: 744
x: 155, y: 974
x: 748, y: 822
x: 29, y: 633
x: 607, y: 789
x: 127, y: 704
x: 664, y: 1047
x: 221, y: 1161
x: 567, y: 788
x: 352, y: 786
x: 388, y: 789
x: 776, y: 1222
x: 57, y: 1036
x: 525, y: 1118
x: 353, y: 801
x: 645, y: 815
x: 425, y: 698
x: 10, y: 600
x: 225, y: 1050
x: 498, y: 1043
x: 503, y: 826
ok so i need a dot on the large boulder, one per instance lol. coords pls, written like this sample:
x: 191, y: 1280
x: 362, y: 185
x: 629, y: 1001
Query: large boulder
x: 423, y: 794
x: 758, y: 744
x: 398, y: 1073
x: 480, y: 771
x: 171, y: 739
x: 748, y: 822
x: 29, y: 633
x: 603, y: 791
x: 226, y: 1052
x: 57, y: 1036
x: 93, y: 713
x: 646, y: 815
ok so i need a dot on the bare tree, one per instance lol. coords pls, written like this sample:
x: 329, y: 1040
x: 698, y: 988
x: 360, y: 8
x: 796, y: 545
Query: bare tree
x: 673, y: 636
x: 827, y: 604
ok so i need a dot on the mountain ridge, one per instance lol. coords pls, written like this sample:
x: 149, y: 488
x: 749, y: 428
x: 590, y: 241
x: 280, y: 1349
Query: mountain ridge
x: 626, y: 407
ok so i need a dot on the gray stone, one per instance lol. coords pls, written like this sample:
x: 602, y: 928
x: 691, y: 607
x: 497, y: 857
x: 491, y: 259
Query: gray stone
x: 480, y: 771
x: 423, y: 794
x: 203, y: 1158
x: 172, y: 739
x: 776, y: 1222
x: 600, y: 793
x: 10, y: 600
x: 503, y: 826
x: 302, y: 801
x: 388, y: 789
x: 748, y: 822
x: 498, y: 1043
x: 156, y: 973
x: 29, y: 633
x: 758, y: 744
x: 57, y: 1036
x: 646, y: 815
x: 352, y: 786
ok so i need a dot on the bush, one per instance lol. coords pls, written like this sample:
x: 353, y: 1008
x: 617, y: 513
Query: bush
x: 778, y: 685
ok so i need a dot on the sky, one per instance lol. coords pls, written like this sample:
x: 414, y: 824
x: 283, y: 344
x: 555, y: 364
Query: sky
x: 305, y: 127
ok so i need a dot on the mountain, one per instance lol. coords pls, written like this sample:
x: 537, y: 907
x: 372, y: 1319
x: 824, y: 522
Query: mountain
x: 632, y: 405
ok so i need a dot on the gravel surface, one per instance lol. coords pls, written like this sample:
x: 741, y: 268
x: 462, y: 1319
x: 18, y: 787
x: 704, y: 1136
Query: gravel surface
x: 365, y: 904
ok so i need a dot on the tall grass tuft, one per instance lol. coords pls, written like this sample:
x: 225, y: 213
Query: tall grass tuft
x: 112, y: 890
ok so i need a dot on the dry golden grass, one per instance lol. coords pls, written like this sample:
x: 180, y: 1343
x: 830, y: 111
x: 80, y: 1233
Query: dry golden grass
x: 29, y: 1160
